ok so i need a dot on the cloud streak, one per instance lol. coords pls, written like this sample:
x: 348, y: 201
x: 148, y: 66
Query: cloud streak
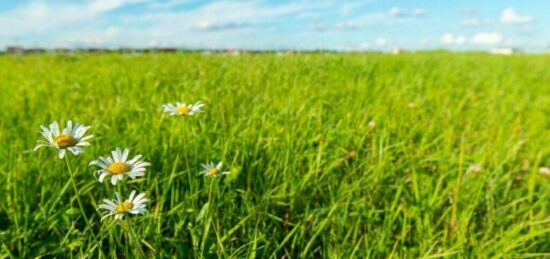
x: 511, y: 17
x: 487, y: 38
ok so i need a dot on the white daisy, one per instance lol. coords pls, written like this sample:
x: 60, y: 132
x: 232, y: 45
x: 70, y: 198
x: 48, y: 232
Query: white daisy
x: 211, y: 169
x: 545, y: 171
x: 70, y: 138
x: 133, y: 205
x: 475, y: 168
x: 118, y: 165
x: 372, y: 124
x: 182, y: 109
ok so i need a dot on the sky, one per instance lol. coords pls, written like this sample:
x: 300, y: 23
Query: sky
x: 273, y: 25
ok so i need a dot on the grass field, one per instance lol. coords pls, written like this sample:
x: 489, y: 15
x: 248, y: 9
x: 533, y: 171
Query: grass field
x: 331, y: 155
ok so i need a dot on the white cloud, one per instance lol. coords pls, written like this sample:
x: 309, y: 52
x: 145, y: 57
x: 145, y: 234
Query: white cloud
x: 167, y: 4
x: 487, y: 38
x: 396, y: 12
x: 218, y: 15
x: 211, y: 26
x: 346, y: 8
x: 364, y: 46
x: 348, y: 25
x: 399, y: 12
x: 418, y: 12
x: 40, y: 17
x: 451, y: 39
x: 358, y: 22
x: 510, y: 16
x: 381, y: 41
x: 470, y: 22
x: 100, y: 6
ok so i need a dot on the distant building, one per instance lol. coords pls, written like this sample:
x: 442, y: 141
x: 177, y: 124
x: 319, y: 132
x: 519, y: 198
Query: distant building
x: 34, y: 51
x: 167, y: 50
x: 15, y: 50
x: 126, y: 50
x: 504, y: 51
x: 397, y: 51
x: 233, y: 52
x: 96, y: 50
x: 62, y: 50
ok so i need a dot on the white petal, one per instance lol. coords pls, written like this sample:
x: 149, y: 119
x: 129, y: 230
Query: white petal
x: 132, y: 195
x: 125, y: 155
x: 105, y: 161
x: 105, y: 207
x: 54, y: 128
x: 76, y: 150
x: 102, y: 176
x: 83, y: 144
x: 86, y: 138
x: 107, y: 215
x: 141, y: 195
x: 61, y: 153
x: 113, y: 180
x: 114, y: 154
x: 39, y: 146
x: 97, y: 163
x: 135, y: 159
x: 109, y: 202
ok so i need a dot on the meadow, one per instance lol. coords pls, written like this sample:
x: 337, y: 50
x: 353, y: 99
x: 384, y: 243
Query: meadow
x: 420, y: 155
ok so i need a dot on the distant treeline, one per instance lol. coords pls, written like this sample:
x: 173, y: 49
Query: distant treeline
x: 16, y: 50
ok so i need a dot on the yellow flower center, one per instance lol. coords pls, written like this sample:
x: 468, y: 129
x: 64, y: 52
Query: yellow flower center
x: 118, y: 168
x: 213, y: 171
x: 123, y: 207
x: 64, y: 141
x: 183, y: 110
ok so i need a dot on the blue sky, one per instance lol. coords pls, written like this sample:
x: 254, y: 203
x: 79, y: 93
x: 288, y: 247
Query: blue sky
x: 303, y: 24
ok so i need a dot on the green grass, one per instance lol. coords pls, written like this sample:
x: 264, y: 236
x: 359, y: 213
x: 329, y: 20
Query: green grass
x: 310, y: 177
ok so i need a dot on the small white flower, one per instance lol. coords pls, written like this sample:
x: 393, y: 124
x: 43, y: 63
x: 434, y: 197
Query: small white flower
x: 133, y: 205
x: 182, y: 109
x: 372, y: 124
x: 412, y: 105
x: 474, y: 168
x: 211, y: 169
x: 70, y: 138
x: 118, y: 165
x: 545, y: 171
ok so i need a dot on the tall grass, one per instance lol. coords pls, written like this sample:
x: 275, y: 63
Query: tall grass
x: 310, y: 177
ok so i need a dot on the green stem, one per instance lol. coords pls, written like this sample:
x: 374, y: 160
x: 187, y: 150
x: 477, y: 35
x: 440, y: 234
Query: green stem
x: 133, y: 237
x: 210, y: 195
x: 89, y: 226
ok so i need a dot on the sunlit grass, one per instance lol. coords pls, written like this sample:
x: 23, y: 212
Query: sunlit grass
x: 330, y: 155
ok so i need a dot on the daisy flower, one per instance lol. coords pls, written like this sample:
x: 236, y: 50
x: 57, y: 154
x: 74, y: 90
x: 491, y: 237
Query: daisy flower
x: 70, y: 138
x: 182, y: 109
x: 474, y: 168
x: 118, y: 165
x: 372, y: 124
x: 545, y: 171
x: 211, y: 169
x: 117, y: 207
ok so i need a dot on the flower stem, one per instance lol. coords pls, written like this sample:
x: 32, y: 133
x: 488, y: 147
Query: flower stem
x: 133, y: 237
x: 89, y: 226
x: 210, y: 195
